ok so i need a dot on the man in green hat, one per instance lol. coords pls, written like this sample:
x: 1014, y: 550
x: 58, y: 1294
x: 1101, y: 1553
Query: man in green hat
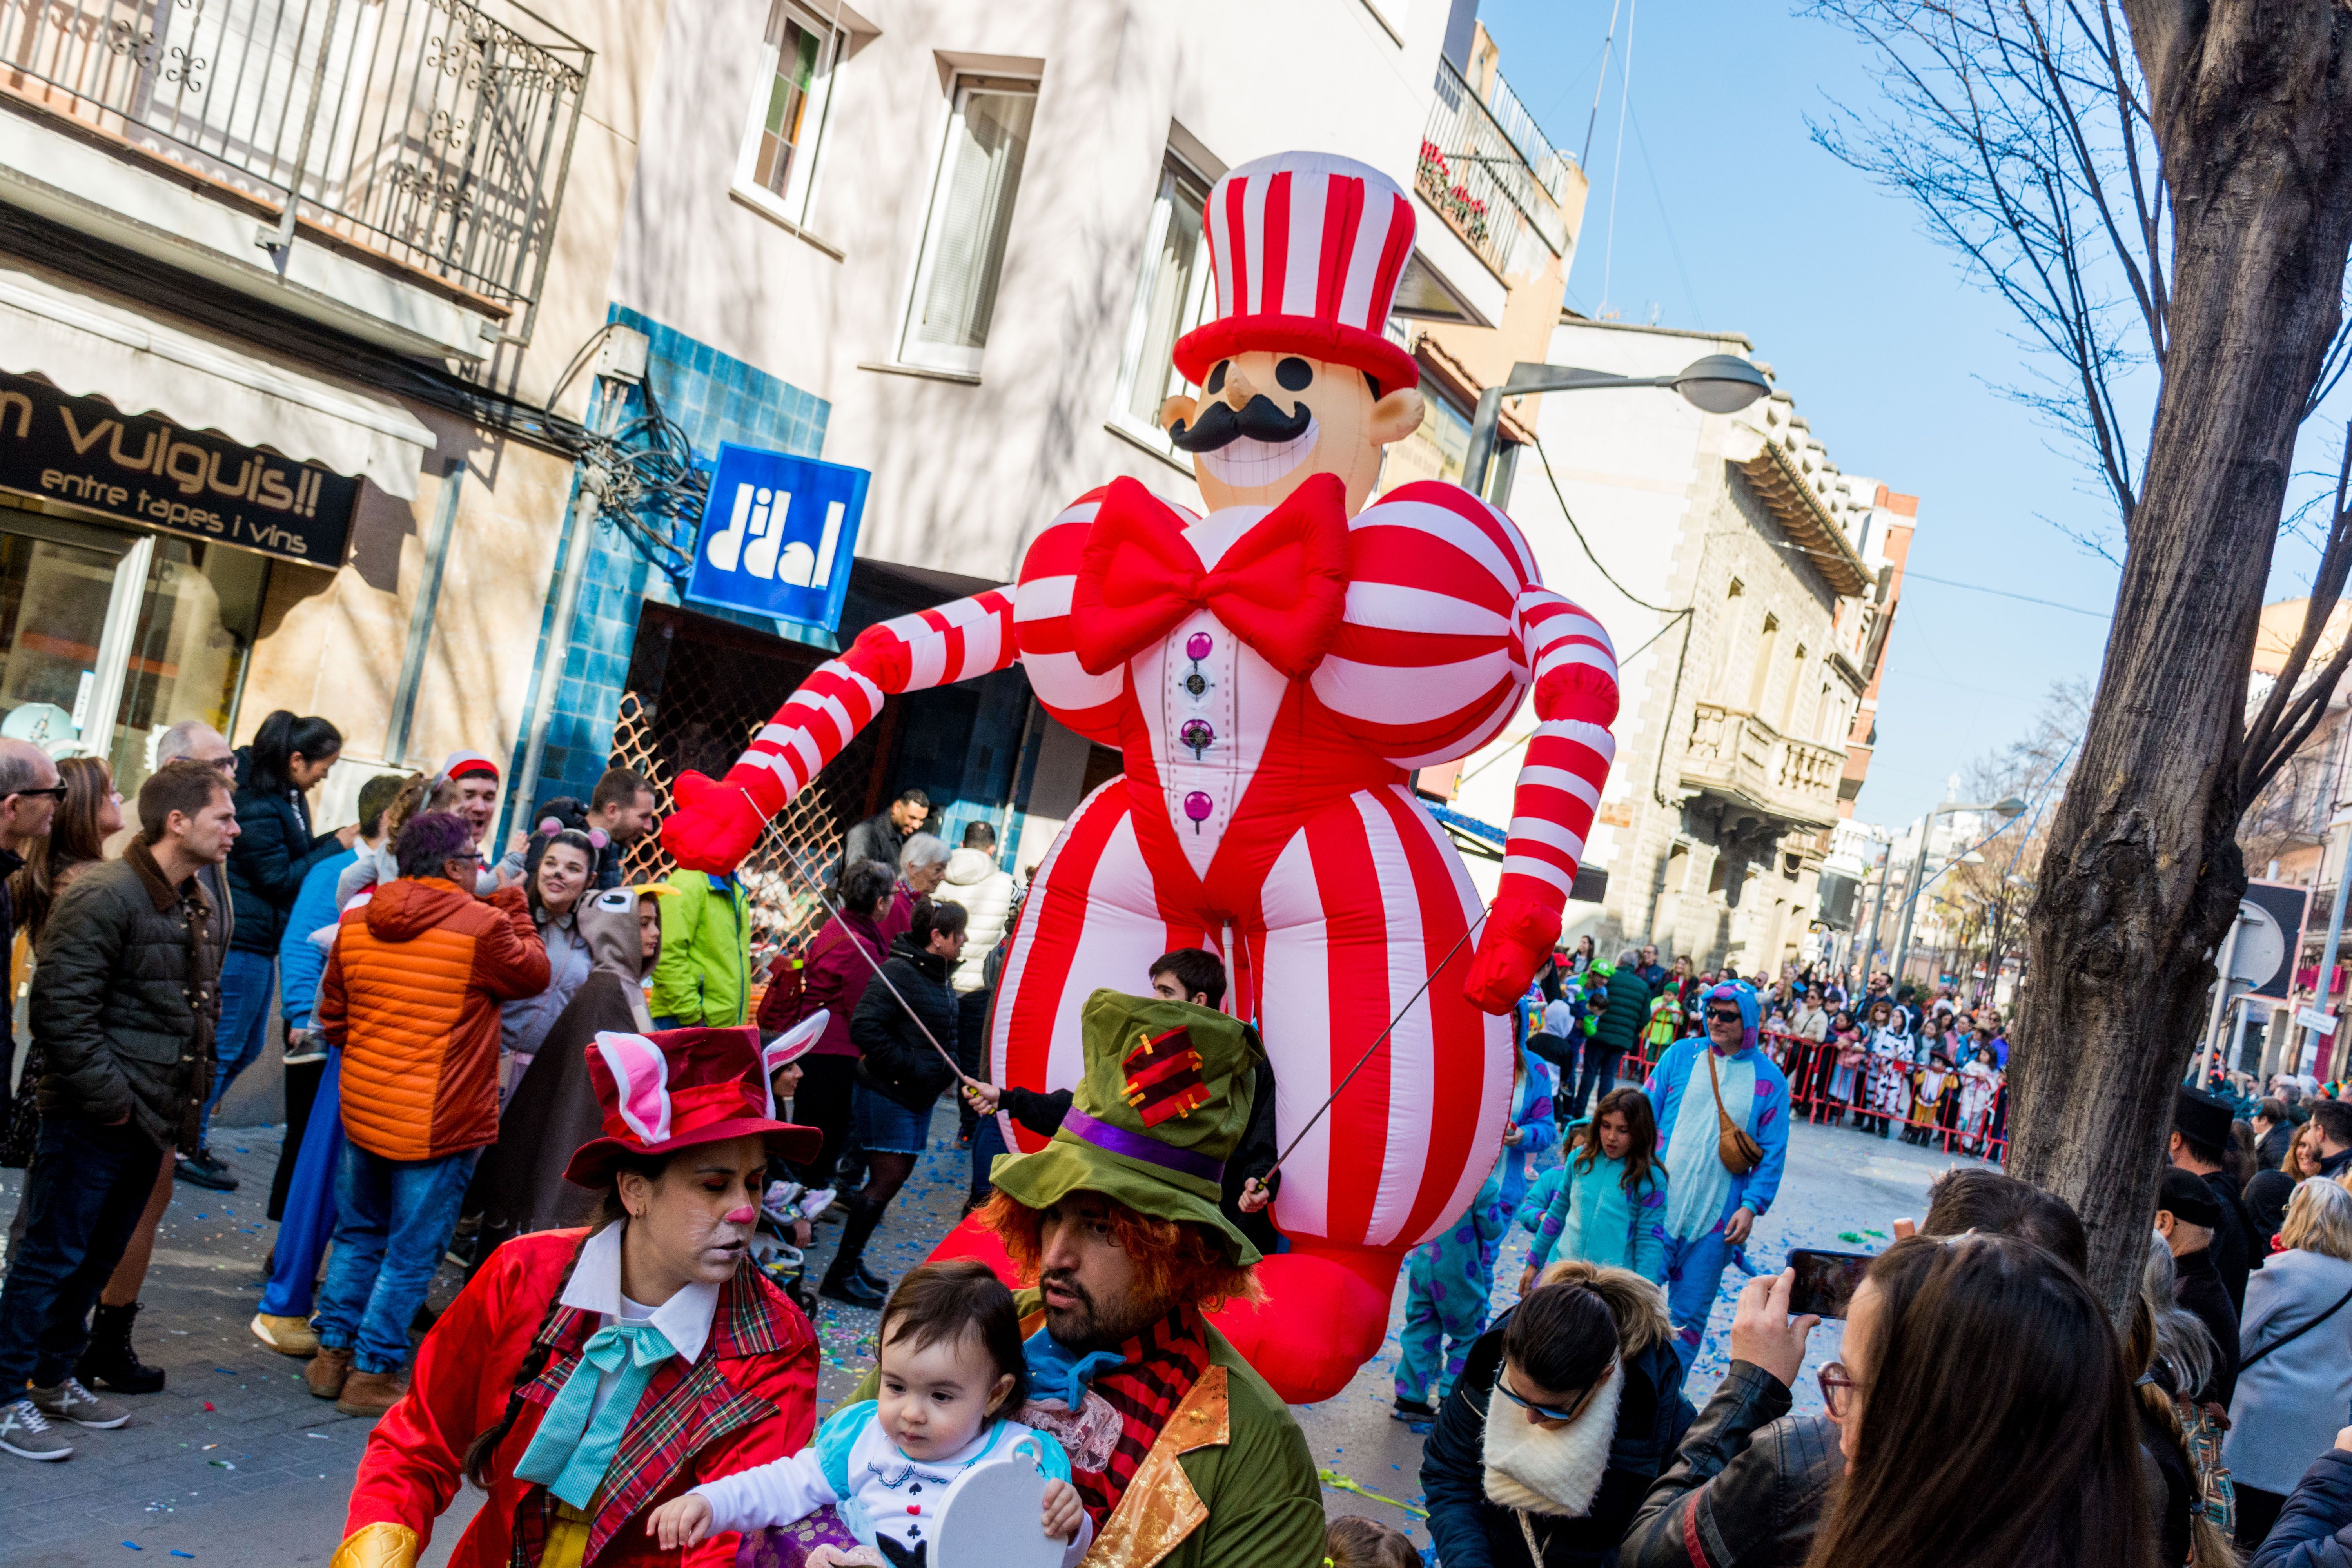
x: 1184, y: 1455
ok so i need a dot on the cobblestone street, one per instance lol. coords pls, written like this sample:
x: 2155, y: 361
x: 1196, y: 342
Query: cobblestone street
x: 234, y: 1463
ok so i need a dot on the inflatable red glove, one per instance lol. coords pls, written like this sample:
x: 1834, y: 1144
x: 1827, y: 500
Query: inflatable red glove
x: 714, y: 826
x: 1518, y: 937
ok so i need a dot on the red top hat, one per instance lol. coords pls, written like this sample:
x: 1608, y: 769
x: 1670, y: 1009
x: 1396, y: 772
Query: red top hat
x: 675, y: 1089
x: 1308, y: 248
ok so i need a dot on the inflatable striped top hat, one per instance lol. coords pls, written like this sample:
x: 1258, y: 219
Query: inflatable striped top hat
x: 1308, y: 250
x: 679, y: 1088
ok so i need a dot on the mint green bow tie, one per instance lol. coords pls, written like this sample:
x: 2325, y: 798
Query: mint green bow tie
x: 568, y: 1455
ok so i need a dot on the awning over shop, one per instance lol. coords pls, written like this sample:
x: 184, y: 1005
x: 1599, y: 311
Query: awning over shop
x: 92, y: 347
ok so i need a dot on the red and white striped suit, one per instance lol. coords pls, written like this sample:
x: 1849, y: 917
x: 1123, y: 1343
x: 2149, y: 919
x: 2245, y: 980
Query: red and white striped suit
x: 1328, y: 888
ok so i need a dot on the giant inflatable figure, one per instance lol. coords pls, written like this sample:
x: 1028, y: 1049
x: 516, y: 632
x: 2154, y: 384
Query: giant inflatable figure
x: 1271, y: 674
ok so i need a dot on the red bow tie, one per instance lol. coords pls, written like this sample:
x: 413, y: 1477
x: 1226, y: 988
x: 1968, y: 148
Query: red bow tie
x: 1280, y: 588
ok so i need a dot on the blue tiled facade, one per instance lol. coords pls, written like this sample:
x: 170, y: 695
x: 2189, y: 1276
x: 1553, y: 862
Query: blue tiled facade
x: 962, y: 743
x: 713, y: 398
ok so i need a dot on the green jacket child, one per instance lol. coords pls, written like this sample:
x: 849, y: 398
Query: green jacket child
x: 703, y: 976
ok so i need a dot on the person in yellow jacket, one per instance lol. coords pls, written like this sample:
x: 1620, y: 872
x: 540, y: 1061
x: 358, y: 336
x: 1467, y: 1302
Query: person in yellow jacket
x: 703, y: 976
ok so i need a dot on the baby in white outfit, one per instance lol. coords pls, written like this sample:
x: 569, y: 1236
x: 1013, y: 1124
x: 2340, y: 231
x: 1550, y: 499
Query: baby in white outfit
x: 950, y: 1359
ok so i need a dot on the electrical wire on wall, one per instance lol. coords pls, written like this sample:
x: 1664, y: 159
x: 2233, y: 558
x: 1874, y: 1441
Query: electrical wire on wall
x: 649, y: 488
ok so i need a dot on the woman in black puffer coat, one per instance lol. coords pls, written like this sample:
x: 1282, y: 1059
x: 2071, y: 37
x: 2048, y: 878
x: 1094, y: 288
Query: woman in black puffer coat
x: 275, y: 849
x: 900, y: 1074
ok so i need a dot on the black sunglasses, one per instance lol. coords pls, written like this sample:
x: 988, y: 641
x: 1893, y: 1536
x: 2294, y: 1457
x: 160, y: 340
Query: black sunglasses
x: 1542, y: 1411
x: 1722, y: 1015
x: 56, y: 792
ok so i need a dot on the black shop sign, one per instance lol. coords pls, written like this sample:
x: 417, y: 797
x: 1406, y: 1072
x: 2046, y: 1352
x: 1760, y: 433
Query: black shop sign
x: 88, y: 453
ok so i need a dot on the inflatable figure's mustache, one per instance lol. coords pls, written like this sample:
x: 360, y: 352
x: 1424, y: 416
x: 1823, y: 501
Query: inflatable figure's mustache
x: 1218, y: 425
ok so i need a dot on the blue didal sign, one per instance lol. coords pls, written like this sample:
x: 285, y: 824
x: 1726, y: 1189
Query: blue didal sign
x: 778, y: 536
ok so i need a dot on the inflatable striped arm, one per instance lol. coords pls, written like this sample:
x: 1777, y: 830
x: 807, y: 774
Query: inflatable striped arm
x: 717, y: 821
x: 1558, y: 790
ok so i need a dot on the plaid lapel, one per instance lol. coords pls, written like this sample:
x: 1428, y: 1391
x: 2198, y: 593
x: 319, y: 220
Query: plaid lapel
x: 682, y: 1411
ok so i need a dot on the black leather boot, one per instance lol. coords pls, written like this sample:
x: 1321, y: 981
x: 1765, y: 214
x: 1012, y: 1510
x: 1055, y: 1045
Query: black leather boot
x: 845, y: 1281
x: 110, y: 1362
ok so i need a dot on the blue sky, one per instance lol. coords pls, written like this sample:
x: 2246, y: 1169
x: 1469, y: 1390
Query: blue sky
x: 1729, y: 216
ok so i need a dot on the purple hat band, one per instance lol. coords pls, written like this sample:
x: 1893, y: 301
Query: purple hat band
x: 1135, y: 1146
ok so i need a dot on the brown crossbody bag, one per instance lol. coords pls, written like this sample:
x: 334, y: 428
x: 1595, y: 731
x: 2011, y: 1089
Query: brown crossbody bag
x: 1733, y: 1146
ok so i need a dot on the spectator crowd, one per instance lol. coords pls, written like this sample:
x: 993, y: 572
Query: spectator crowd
x: 449, y: 1009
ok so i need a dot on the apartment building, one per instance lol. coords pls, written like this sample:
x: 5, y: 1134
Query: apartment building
x: 1750, y: 588
x: 951, y: 247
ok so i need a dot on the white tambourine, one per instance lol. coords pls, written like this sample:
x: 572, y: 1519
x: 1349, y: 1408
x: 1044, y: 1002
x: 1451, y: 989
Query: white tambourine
x: 990, y: 1515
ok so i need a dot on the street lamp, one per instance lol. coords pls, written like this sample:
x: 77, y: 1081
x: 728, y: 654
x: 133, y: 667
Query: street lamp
x: 2007, y: 809
x: 1716, y: 383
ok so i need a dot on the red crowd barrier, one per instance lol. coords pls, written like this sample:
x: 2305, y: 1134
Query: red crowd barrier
x: 1809, y: 1066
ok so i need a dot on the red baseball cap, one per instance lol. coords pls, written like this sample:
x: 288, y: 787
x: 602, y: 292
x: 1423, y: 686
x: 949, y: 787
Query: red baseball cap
x: 676, y: 1089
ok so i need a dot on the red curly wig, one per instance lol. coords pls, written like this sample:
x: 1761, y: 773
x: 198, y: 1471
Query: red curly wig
x: 1175, y: 1261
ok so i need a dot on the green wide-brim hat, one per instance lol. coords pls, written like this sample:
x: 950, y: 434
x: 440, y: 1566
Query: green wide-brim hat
x: 1163, y: 1104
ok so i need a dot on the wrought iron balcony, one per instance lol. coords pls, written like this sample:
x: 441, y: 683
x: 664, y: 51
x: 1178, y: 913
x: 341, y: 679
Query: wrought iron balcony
x: 1492, y: 175
x: 1735, y: 756
x: 426, y: 132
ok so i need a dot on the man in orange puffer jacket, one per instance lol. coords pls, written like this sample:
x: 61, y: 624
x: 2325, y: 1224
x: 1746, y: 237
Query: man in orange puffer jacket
x: 411, y: 999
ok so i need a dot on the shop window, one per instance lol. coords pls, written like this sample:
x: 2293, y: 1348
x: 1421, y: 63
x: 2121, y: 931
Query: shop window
x: 1170, y: 298
x: 196, y: 625
x: 777, y: 167
x: 963, y: 257
x: 109, y: 636
x: 53, y: 599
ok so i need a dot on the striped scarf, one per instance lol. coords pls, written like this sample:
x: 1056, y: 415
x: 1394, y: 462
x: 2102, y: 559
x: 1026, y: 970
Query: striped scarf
x: 1158, y: 1368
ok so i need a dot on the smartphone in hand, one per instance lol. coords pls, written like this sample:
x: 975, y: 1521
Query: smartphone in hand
x: 1826, y: 1282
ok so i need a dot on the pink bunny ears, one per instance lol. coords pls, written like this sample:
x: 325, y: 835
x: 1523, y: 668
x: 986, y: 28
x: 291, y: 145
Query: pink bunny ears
x: 550, y: 826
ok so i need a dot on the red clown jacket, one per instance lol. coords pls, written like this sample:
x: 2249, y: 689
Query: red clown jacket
x: 750, y: 1398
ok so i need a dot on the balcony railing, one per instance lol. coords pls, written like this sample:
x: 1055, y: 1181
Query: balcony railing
x: 425, y: 132
x: 1500, y: 186
x: 1738, y: 756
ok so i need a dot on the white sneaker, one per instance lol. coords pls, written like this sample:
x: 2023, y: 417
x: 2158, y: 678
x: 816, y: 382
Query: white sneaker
x: 26, y: 1433
x: 69, y: 1401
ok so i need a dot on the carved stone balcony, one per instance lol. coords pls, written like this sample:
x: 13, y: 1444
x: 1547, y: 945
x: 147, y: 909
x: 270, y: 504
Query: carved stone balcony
x: 1738, y: 757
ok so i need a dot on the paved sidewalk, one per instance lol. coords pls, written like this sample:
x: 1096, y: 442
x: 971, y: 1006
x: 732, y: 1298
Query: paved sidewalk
x: 235, y: 1465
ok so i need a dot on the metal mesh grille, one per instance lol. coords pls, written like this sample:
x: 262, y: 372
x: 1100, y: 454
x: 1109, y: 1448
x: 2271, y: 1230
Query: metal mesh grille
x: 709, y: 702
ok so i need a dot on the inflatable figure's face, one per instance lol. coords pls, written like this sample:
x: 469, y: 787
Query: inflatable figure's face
x: 1264, y: 422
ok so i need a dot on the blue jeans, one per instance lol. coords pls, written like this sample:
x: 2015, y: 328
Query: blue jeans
x: 1594, y: 1061
x: 246, y: 980
x: 83, y: 1197
x: 394, y: 1218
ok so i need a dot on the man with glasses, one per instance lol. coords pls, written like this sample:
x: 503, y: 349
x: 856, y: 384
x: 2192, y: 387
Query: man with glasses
x: 29, y: 792
x: 411, y: 998
x: 1710, y: 1093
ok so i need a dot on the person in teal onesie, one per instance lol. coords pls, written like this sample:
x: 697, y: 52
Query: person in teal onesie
x: 1451, y: 1281
x: 1606, y: 1202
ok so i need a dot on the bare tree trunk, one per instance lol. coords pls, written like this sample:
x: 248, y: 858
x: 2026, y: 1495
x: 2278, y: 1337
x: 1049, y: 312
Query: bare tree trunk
x: 2252, y: 104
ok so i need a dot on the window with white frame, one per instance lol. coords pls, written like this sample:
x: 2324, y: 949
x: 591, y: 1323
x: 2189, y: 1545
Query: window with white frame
x: 1170, y: 298
x: 777, y: 166
x: 962, y: 257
